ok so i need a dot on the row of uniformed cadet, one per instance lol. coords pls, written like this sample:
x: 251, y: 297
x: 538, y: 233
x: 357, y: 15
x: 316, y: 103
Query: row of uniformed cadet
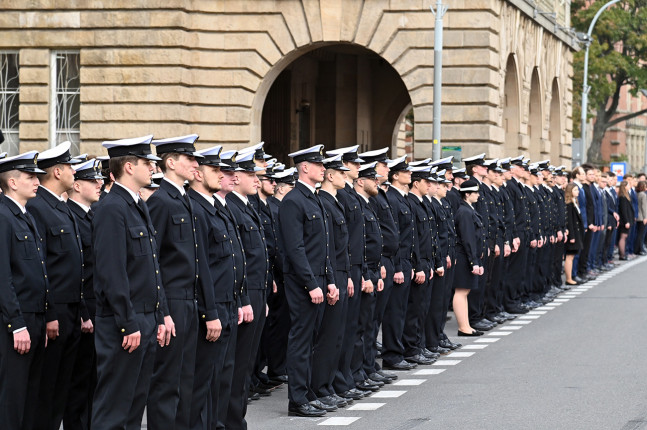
x: 193, y: 269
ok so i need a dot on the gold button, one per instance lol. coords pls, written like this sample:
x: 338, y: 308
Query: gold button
x: 123, y: 330
x: 204, y: 316
x: 154, y: 256
x: 182, y: 220
x: 157, y: 272
x: 9, y: 326
x: 62, y: 231
x: 45, y: 276
x: 25, y: 237
x: 158, y: 287
x: 141, y: 233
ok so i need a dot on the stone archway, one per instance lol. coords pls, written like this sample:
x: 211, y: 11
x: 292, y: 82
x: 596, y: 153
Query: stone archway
x: 555, y: 130
x: 535, y: 116
x: 337, y: 94
x: 511, y: 112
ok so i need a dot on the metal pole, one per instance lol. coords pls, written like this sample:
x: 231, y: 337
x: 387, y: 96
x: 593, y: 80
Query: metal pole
x: 585, y: 87
x: 438, y: 74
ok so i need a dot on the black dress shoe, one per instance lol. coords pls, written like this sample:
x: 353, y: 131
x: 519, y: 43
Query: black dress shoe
x: 323, y: 406
x: 340, y: 401
x: 305, y: 410
x: 263, y: 392
x: 379, y: 378
x: 430, y: 355
x: 351, y: 395
x: 446, y: 343
x: 279, y: 379
x: 363, y: 393
x: 480, y: 325
x: 496, y: 319
x: 506, y: 316
x: 366, y: 386
x: 402, y: 365
x: 473, y: 334
x: 388, y: 375
x: 419, y: 359
x: 579, y: 280
x: 439, y: 350
x: 374, y: 382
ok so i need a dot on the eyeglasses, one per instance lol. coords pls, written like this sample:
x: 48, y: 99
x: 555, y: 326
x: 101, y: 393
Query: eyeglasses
x: 268, y: 180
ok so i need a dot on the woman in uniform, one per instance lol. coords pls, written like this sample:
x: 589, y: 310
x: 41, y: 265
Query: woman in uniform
x: 574, y: 238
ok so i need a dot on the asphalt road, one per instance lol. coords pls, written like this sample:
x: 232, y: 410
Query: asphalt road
x: 577, y: 363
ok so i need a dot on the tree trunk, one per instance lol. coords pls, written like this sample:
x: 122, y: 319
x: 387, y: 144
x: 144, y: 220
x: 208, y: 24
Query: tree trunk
x: 594, y: 153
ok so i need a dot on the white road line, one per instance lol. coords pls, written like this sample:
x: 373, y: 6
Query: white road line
x: 338, y: 421
x: 529, y: 317
x: 387, y: 394
x: 517, y: 322
x: 537, y: 312
x: 546, y: 307
x: 561, y: 299
x: 488, y: 340
x: 568, y: 296
x: 552, y: 305
x: 576, y: 293
x: 423, y: 372
x: 446, y: 363
x: 366, y: 406
x: 409, y: 382
x: 513, y: 327
x: 458, y: 354
x: 472, y: 346
x: 499, y: 333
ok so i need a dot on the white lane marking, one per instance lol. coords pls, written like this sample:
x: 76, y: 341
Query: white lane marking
x: 555, y: 304
x: 338, y: 421
x: 387, y: 394
x: 576, y: 293
x: 562, y: 299
x: 409, y: 382
x: 520, y: 322
x: 488, y: 340
x: 366, y: 406
x: 423, y: 372
x: 567, y: 296
x: 536, y: 312
x: 546, y: 307
x: 529, y: 317
x: 446, y: 363
x: 458, y: 354
x: 472, y: 346
x: 499, y: 333
x: 513, y: 327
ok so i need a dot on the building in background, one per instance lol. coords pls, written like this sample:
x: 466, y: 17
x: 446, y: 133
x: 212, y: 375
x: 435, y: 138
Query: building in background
x: 293, y: 73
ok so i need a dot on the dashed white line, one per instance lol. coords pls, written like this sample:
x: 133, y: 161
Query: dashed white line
x: 423, y: 372
x: 499, y: 333
x: 458, y: 354
x: 409, y: 382
x: 338, y: 421
x: 529, y: 317
x: 487, y: 340
x: 473, y: 346
x: 517, y: 322
x: 536, y: 312
x: 513, y: 327
x: 387, y: 394
x: 366, y: 406
x: 446, y: 363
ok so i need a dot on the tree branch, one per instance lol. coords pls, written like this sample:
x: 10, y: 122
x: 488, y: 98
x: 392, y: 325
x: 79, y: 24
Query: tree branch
x: 625, y: 117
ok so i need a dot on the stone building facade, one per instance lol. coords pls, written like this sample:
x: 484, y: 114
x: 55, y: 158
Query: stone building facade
x: 297, y: 72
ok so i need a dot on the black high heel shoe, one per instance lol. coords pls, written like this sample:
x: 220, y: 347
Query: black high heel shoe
x: 474, y: 333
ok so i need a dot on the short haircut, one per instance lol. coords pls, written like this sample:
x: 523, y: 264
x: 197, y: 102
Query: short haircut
x: 611, y: 174
x: 469, y: 170
x: 117, y: 164
x: 165, y: 156
x: 4, y: 179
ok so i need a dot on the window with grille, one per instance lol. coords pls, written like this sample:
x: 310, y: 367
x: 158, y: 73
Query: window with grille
x: 9, y: 102
x: 65, y: 111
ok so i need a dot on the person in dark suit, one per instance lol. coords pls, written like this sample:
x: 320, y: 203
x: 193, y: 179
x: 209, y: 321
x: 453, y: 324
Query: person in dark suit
x: 627, y: 218
x: 612, y: 204
x: 132, y: 312
x: 328, y: 343
x: 64, y: 261
x: 23, y: 294
x: 249, y: 333
x: 575, y: 228
x: 309, y: 277
x: 470, y: 254
x: 84, y: 193
x: 170, y: 208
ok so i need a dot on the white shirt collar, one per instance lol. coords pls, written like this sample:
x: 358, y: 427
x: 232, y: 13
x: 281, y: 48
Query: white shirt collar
x: 81, y: 205
x: 242, y: 197
x: 308, y: 186
x: 404, y: 193
x: 220, y: 199
x: 180, y: 189
x: 330, y: 194
x: 364, y: 197
x: 22, y: 208
x: 52, y: 193
x: 495, y: 187
x: 207, y: 197
x: 135, y: 196
x: 438, y: 200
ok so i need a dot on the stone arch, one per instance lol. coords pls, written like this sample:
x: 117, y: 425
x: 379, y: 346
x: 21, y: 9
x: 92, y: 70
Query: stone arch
x: 555, y: 124
x: 511, y: 107
x: 535, y: 115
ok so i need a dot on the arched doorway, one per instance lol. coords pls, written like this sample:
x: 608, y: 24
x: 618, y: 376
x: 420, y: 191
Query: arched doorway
x: 534, y: 118
x: 337, y: 95
x: 555, y: 130
x: 511, y: 117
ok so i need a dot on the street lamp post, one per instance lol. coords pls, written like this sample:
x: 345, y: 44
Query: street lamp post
x: 586, y: 88
x: 438, y: 75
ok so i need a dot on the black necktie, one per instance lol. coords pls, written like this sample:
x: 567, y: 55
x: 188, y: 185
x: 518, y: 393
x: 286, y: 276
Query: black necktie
x: 187, y: 200
x: 30, y: 221
x: 90, y: 214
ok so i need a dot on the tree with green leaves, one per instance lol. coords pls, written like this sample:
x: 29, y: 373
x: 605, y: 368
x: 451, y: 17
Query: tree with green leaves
x: 617, y: 59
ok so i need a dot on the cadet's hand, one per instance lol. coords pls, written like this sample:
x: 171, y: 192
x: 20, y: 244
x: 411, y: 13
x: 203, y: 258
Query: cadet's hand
x: 333, y: 294
x: 248, y: 313
x: 367, y: 286
x: 506, y: 250
x: 440, y: 271
x: 131, y: 341
x: 449, y: 262
x: 240, y: 316
x: 52, y: 329
x: 22, y: 342
x: 552, y: 239
x: 497, y: 250
x: 161, y: 335
x: 350, y: 288
x: 560, y: 236
x: 540, y: 243
x: 214, y: 328
x: 267, y: 310
x: 515, y: 244
x: 481, y: 270
x: 398, y: 278
x: 380, y: 285
x: 431, y: 273
x: 383, y: 270
x: 86, y: 326
x: 316, y: 296
x: 572, y: 241
x: 419, y: 278
x: 476, y: 270
x: 170, y: 329
x: 533, y: 244
x: 627, y: 225
x: 274, y: 288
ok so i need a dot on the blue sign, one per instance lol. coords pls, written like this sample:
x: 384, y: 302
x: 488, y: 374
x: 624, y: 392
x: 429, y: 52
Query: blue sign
x: 620, y: 169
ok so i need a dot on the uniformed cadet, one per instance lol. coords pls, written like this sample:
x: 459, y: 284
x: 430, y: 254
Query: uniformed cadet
x: 216, y: 270
x: 23, y: 294
x: 131, y: 304
x: 344, y: 383
x: 309, y: 277
x: 105, y: 172
x: 221, y: 384
x: 425, y: 262
x: 535, y: 234
x: 390, y: 238
x: 249, y: 333
x: 169, y: 397
x: 328, y: 343
x: 363, y: 362
x: 84, y: 193
x: 511, y: 233
x: 149, y: 190
x: 453, y: 194
x: 64, y: 261
x: 394, y: 316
